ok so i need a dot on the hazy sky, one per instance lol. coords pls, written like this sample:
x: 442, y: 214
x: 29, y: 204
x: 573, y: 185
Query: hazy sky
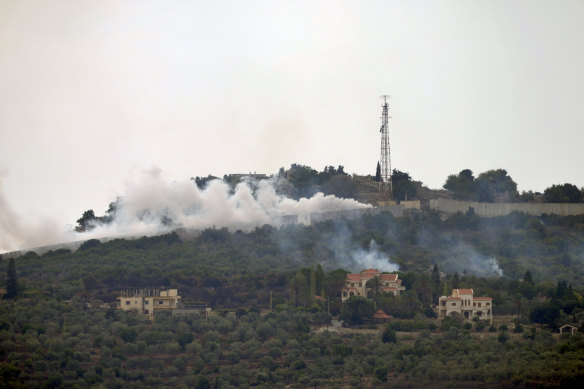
x: 92, y: 92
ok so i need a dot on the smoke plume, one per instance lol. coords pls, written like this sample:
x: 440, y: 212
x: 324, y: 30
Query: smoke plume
x: 152, y: 204
x: 371, y: 258
x: 16, y: 233
x: 465, y: 258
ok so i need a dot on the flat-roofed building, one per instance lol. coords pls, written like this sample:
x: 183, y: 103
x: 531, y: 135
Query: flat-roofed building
x: 149, y: 301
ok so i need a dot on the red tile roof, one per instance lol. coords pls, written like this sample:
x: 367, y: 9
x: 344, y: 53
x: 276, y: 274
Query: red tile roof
x: 388, y: 277
x: 380, y: 315
x: 354, y: 277
x: 371, y: 271
x: 465, y: 291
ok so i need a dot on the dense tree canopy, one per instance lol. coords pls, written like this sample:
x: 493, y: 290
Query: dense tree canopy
x: 487, y: 187
x: 566, y: 193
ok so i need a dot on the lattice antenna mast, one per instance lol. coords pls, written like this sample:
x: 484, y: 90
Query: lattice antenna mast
x: 385, y: 159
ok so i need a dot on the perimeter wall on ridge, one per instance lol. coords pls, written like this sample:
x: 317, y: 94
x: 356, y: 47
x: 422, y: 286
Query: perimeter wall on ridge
x: 502, y: 209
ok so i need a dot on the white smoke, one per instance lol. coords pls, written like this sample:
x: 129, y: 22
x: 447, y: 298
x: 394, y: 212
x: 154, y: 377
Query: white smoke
x: 372, y: 258
x: 153, y: 204
x: 17, y: 233
x: 466, y: 259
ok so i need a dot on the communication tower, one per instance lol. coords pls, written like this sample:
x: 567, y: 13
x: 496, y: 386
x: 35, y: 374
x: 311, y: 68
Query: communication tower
x: 385, y: 160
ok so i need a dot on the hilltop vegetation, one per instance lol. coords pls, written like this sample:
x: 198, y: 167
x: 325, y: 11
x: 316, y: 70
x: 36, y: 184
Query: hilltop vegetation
x: 56, y: 329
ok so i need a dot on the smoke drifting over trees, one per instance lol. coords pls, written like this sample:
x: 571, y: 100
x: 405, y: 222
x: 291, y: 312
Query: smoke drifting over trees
x: 152, y: 204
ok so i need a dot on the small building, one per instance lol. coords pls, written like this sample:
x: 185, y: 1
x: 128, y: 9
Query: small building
x: 356, y: 284
x: 568, y: 329
x: 380, y: 317
x: 463, y: 302
x: 149, y: 301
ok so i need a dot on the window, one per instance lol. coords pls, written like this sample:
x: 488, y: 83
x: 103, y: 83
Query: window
x: 127, y: 302
x: 479, y: 304
x: 488, y: 304
x: 146, y: 302
x: 360, y: 284
x: 160, y: 302
x: 454, y: 304
x: 474, y: 304
x: 443, y: 303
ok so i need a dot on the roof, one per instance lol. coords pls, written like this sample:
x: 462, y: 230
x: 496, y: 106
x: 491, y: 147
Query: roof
x: 371, y: 271
x: 354, y: 277
x: 482, y: 298
x: 388, y: 277
x: 464, y: 291
x: 380, y: 315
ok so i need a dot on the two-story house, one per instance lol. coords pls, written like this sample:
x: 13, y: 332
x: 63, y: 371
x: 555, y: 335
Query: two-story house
x: 148, y: 301
x: 463, y: 302
x: 356, y: 284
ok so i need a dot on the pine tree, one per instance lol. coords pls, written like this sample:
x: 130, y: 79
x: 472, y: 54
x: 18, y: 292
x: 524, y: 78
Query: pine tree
x: 11, y: 280
x: 455, y: 281
x: 378, y: 173
x: 436, y: 275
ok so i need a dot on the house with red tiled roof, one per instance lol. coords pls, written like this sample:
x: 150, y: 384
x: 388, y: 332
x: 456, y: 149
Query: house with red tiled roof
x: 463, y: 302
x: 356, y: 284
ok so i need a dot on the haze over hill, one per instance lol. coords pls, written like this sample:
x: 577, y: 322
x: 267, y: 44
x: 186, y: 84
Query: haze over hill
x: 152, y: 204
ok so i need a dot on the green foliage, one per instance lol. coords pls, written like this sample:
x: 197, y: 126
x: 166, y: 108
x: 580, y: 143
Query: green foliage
x: 402, y: 185
x: 381, y: 374
x: 566, y: 193
x: 357, y: 309
x: 486, y: 187
x: 12, y: 287
x: 388, y: 335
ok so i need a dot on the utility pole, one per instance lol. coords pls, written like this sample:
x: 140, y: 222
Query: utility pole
x: 385, y: 186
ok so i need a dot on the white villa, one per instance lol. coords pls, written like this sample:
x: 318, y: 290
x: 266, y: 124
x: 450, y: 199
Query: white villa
x: 356, y: 284
x: 463, y: 302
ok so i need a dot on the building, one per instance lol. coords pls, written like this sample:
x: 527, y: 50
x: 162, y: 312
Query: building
x: 149, y: 301
x: 568, y: 329
x: 356, y: 284
x: 463, y: 302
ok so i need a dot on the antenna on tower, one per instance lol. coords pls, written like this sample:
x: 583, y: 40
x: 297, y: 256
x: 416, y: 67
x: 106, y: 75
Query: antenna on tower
x: 385, y: 185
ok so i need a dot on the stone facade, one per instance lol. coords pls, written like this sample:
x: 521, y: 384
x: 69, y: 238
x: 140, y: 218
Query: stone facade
x: 356, y: 284
x: 463, y: 302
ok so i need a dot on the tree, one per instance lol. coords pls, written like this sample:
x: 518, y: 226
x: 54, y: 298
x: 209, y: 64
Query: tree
x: 566, y: 193
x: 356, y: 309
x: 455, y: 280
x: 84, y: 222
x: 378, y: 173
x: 462, y: 185
x: 495, y: 182
x: 545, y: 314
x: 403, y: 186
x: 334, y: 283
x: 388, y: 335
x: 374, y: 286
x: 11, y: 281
x: 436, y: 275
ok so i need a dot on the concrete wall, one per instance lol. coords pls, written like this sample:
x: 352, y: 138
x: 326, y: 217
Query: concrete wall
x: 502, y: 209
